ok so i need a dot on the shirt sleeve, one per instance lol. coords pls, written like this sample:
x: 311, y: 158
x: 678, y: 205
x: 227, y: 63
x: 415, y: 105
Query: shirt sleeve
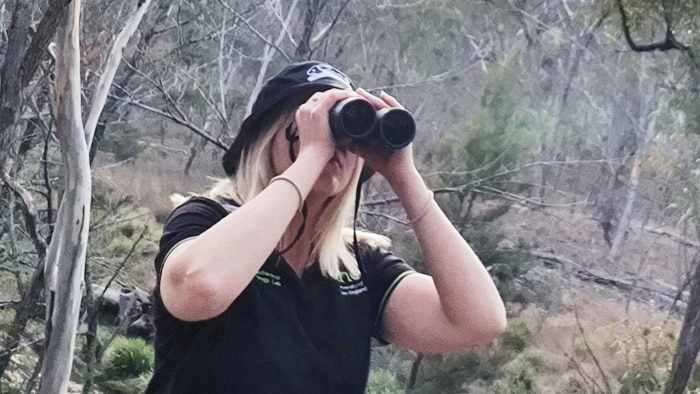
x: 383, y: 272
x: 187, y: 221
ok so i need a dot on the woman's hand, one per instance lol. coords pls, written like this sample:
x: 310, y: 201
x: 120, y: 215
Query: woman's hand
x: 392, y: 164
x: 312, y: 121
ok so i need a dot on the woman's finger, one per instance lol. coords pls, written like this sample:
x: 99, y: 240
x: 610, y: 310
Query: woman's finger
x: 376, y: 101
x: 389, y: 99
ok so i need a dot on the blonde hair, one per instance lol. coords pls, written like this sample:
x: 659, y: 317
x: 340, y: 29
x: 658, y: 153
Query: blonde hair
x: 334, y: 235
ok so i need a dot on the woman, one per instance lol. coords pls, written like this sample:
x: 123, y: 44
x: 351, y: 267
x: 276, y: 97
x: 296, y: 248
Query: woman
x: 263, y: 289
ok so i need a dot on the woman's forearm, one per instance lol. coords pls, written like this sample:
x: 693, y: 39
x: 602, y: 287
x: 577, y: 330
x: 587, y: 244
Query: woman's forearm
x: 202, y: 277
x: 466, y: 291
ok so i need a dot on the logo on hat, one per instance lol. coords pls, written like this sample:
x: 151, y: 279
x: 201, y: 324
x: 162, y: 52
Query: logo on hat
x: 321, y: 71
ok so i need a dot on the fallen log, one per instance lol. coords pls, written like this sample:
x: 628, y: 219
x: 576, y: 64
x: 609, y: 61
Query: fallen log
x: 675, y: 236
x: 130, y: 308
x: 666, y: 291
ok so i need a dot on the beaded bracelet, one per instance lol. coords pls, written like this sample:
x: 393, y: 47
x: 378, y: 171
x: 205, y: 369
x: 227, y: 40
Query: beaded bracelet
x: 296, y: 187
x: 423, y: 211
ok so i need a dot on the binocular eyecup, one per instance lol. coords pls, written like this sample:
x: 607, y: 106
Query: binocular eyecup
x: 356, y: 118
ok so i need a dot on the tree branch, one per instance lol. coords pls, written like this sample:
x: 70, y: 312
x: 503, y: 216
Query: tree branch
x: 46, y: 30
x: 110, y: 69
x: 119, y: 268
x: 30, y: 216
x: 668, y: 44
x: 255, y: 31
x: 184, y: 122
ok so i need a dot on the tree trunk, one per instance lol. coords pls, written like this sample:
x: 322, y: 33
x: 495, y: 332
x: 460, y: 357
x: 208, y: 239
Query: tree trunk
x: 618, y: 239
x: 313, y: 8
x: 10, y: 87
x: 689, y: 341
x: 623, y: 226
x: 25, y: 311
x: 22, y: 60
x: 65, y: 265
x: 91, y: 335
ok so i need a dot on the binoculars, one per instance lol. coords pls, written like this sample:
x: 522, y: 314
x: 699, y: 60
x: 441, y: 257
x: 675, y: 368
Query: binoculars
x: 356, y: 118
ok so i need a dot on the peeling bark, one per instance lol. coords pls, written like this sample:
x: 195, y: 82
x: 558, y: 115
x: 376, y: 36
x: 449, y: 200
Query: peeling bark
x: 65, y: 265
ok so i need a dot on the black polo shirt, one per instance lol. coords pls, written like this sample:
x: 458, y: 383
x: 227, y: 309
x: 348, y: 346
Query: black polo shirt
x: 283, y: 334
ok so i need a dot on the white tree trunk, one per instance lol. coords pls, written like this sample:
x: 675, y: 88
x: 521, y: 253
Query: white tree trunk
x: 65, y: 265
x: 631, y: 197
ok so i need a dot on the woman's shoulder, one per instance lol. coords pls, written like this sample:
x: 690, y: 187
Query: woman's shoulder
x: 198, y: 208
x: 203, y: 203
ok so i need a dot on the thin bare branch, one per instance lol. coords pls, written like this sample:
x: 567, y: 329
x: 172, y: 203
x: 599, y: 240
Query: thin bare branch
x: 255, y: 31
x: 184, y: 122
x: 99, y: 98
x: 121, y: 265
x: 592, y: 354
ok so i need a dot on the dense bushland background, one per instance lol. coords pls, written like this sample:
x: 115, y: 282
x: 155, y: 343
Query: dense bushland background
x: 561, y: 137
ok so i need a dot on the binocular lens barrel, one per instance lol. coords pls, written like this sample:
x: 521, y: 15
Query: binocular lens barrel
x: 356, y: 118
x: 396, y: 127
x: 353, y: 118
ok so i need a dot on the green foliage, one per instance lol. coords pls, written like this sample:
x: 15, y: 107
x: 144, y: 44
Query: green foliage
x: 135, y: 385
x: 447, y: 374
x: 116, y: 226
x: 517, y: 338
x: 508, y: 365
x: 648, y: 352
x: 648, y: 19
x: 497, y: 137
x: 518, y: 376
x: 127, y: 358
x: 382, y: 381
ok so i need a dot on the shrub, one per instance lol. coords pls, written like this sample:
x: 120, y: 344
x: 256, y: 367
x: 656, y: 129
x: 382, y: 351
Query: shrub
x: 135, y: 385
x: 517, y: 337
x: 648, y: 352
x: 518, y: 376
x: 128, y: 358
x: 382, y: 381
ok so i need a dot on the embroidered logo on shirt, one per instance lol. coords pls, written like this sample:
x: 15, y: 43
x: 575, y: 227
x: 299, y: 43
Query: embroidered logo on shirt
x: 269, y: 278
x: 344, y: 278
x: 348, y: 284
x: 353, y: 289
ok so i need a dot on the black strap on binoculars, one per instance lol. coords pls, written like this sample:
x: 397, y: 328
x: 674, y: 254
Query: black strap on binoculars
x: 292, y: 138
x: 355, y: 243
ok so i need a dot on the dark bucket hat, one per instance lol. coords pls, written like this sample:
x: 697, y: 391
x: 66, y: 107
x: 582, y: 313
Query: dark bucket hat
x: 291, y: 87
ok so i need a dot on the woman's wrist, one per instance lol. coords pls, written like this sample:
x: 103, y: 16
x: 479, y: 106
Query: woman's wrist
x: 415, y: 196
x: 306, y: 169
x: 406, y: 181
x: 319, y: 155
